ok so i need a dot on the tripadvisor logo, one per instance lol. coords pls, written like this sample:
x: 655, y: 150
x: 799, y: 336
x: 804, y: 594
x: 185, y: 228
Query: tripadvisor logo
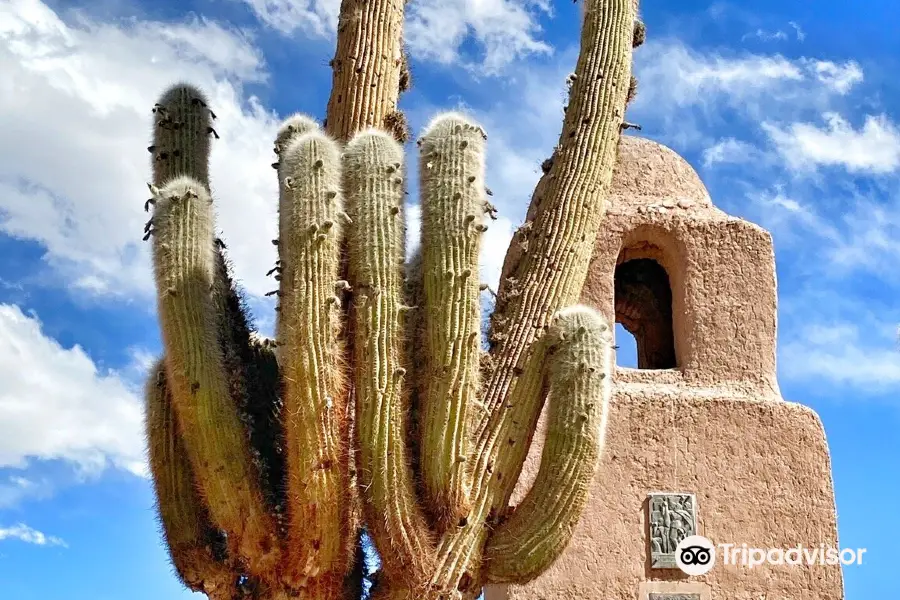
x: 696, y: 555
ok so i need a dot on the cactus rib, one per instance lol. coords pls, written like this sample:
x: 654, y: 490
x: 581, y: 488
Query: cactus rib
x: 376, y: 253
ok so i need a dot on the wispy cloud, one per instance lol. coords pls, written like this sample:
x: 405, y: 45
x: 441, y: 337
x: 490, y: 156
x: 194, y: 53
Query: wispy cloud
x: 839, y: 77
x: 316, y: 17
x: 842, y: 354
x: 730, y: 150
x: 874, y: 147
x: 793, y: 31
x: 766, y: 36
x: 17, y: 489
x: 29, y: 535
x: 686, y: 95
x: 505, y: 30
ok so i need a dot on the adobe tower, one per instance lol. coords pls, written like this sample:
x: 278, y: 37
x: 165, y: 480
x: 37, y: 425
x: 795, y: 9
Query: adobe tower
x: 699, y: 439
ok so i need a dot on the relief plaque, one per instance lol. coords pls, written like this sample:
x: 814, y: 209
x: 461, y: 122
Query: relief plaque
x: 672, y: 517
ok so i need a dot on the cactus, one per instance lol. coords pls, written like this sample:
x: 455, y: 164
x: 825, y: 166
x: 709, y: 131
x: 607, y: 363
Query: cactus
x: 376, y: 403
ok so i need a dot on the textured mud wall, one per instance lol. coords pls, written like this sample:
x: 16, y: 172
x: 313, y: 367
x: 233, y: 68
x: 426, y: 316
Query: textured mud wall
x: 721, y: 269
x: 762, y: 476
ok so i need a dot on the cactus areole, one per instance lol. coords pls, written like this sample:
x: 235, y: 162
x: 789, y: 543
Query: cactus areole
x: 376, y: 406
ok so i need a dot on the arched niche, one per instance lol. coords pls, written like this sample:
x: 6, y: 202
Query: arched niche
x: 649, y: 298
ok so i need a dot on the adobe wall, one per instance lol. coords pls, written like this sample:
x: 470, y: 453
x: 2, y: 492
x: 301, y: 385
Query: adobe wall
x: 761, y: 475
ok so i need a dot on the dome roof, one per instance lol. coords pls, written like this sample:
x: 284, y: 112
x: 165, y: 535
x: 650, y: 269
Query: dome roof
x: 647, y: 172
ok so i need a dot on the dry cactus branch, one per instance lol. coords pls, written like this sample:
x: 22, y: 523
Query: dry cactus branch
x: 195, y: 546
x: 367, y: 67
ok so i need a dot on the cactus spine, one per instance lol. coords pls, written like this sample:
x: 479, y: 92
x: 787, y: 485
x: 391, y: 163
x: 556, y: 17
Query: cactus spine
x: 381, y: 395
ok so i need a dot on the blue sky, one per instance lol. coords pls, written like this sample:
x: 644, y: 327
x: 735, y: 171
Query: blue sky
x: 789, y: 111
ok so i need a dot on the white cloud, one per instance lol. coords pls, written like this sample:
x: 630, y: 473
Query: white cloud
x: 841, y: 78
x: 316, y: 17
x: 766, y: 36
x: 26, y: 534
x: 841, y: 354
x: 504, y: 29
x: 873, y: 148
x: 16, y: 489
x: 780, y: 35
x: 869, y: 240
x: 677, y: 75
x: 729, y: 150
x: 789, y: 218
x: 57, y: 405
x: 848, y: 234
x: 74, y: 180
x: 674, y: 75
x: 685, y: 94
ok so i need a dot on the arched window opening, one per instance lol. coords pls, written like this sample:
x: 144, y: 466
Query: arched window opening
x: 644, y: 309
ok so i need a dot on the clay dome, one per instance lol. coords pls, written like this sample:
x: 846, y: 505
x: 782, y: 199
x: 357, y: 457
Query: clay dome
x: 647, y: 172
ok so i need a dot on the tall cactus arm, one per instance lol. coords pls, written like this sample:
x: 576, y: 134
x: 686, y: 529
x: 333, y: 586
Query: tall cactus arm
x: 550, y: 275
x: 196, y: 548
x: 366, y: 67
x: 375, y: 188
x: 183, y: 127
x: 567, y: 214
x: 577, y: 376
x: 315, y: 395
x: 453, y: 203
x: 184, y: 258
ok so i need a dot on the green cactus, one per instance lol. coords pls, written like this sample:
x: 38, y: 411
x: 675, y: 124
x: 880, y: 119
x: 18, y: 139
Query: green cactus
x: 381, y: 405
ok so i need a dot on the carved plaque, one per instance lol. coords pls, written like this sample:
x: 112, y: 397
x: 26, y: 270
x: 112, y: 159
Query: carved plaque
x: 674, y: 597
x: 672, y: 517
